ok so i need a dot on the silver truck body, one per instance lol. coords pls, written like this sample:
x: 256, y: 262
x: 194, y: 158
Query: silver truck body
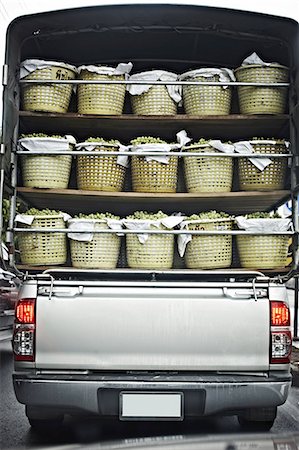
x: 209, y: 341
x: 106, y: 339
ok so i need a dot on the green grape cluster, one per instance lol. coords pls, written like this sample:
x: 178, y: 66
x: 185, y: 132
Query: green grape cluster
x: 144, y: 215
x: 42, y: 212
x: 40, y: 135
x: 201, y: 141
x: 212, y: 215
x: 147, y: 140
x: 98, y: 216
x: 263, y: 215
x: 102, y: 140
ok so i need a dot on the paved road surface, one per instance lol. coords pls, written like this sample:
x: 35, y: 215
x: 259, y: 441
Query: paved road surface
x: 15, y: 432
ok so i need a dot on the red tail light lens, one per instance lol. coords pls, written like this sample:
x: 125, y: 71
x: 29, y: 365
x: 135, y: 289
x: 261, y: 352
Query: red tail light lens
x: 25, y: 311
x: 24, y: 330
x: 280, y: 314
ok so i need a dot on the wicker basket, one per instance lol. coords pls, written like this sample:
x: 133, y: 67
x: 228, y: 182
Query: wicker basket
x: 101, y: 99
x: 272, y: 177
x: 154, y: 176
x: 209, y: 252
x: 101, y: 252
x: 156, y: 253
x: 263, y: 252
x: 206, y: 100
x: 155, y: 102
x: 262, y: 100
x: 100, y: 173
x: 42, y: 249
x: 48, y: 97
x: 204, y: 174
x: 46, y: 171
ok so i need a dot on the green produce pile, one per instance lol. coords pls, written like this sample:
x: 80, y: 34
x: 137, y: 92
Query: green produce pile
x: 103, y: 141
x: 41, y: 135
x: 144, y: 215
x: 263, y: 215
x: 210, y: 215
x: 98, y: 216
x: 201, y: 141
x: 147, y: 140
x: 42, y: 212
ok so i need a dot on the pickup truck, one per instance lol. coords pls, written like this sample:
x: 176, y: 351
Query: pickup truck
x: 133, y: 344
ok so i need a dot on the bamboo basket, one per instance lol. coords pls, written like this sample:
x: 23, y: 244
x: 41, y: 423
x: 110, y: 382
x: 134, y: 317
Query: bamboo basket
x: 272, y: 177
x: 263, y: 252
x: 204, y: 174
x: 46, y: 171
x: 262, y: 100
x: 154, y: 176
x: 48, y: 97
x: 101, y: 252
x: 42, y: 249
x: 101, y: 99
x: 100, y: 173
x: 206, y: 100
x: 209, y: 252
x: 156, y: 253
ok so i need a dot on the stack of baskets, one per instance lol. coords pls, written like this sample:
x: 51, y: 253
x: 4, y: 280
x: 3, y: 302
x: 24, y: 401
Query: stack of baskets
x: 149, y: 100
x: 148, y: 251
x: 42, y: 249
x: 52, y: 98
x: 262, y: 100
x: 263, y: 251
x: 46, y: 171
x: 150, y: 174
x: 204, y: 99
x: 273, y: 176
x: 208, y: 252
x: 102, y: 99
x: 101, y: 251
x: 204, y: 174
x: 99, y: 173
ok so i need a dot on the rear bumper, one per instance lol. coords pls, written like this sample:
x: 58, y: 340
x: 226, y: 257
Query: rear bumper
x: 203, y: 395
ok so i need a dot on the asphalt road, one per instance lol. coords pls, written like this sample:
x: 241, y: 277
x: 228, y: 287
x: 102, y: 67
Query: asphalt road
x: 15, y: 432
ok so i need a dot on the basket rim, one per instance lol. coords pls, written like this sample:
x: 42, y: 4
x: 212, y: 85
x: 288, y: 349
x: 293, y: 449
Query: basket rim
x: 85, y: 219
x: 54, y: 216
x: 95, y: 143
x: 227, y: 219
x: 254, y: 66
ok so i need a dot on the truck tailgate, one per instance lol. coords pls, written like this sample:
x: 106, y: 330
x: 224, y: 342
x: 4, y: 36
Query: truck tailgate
x: 152, y: 328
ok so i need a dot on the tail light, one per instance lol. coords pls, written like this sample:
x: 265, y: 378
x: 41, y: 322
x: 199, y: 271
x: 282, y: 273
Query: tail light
x: 281, y: 337
x: 24, y: 330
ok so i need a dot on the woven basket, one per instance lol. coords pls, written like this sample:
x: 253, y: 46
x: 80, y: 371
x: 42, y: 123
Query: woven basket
x: 48, y: 98
x: 100, y: 173
x: 156, y: 101
x: 263, y: 252
x: 43, y: 248
x: 101, y: 99
x: 206, y: 100
x: 156, y: 253
x: 101, y: 252
x: 209, y: 252
x: 46, y: 171
x: 272, y: 177
x: 154, y: 176
x: 262, y: 100
x: 204, y: 174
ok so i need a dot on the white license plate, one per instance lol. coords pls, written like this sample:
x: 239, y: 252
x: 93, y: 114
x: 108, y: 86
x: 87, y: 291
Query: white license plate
x: 151, y: 405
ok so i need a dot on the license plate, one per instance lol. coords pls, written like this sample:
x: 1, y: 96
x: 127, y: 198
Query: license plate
x: 151, y: 405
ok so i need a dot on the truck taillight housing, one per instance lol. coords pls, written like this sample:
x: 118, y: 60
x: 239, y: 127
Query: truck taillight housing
x: 281, y: 337
x: 23, y: 342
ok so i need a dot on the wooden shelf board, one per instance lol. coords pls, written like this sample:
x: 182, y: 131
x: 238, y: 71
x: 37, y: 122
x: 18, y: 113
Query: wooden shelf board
x: 127, y: 126
x: 122, y: 203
